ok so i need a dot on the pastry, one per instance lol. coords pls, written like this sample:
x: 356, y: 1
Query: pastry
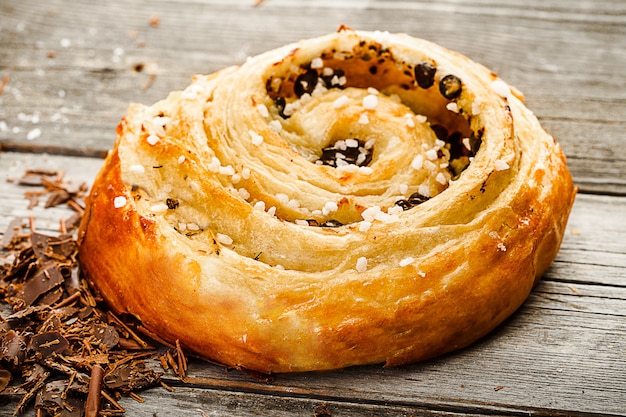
x: 357, y: 198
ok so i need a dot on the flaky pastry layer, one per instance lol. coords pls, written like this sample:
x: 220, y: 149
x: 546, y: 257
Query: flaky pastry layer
x: 358, y: 198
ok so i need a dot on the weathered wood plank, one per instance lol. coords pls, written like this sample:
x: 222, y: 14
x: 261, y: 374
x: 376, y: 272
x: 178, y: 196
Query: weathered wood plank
x: 538, y: 362
x: 594, y: 243
x: 72, y: 69
x: 564, y: 351
x: 189, y: 401
x: 566, y: 56
x: 14, y: 204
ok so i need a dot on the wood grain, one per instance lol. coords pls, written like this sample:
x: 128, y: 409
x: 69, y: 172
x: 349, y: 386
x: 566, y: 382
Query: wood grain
x: 564, y: 351
x: 71, y: 68
x: 74, y: 67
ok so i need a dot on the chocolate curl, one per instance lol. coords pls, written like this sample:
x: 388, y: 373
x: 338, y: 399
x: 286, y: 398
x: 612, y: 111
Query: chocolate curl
x: 92, y: 407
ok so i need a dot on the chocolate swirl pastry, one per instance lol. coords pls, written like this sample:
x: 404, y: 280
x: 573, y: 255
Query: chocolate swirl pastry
x: 357, y: 198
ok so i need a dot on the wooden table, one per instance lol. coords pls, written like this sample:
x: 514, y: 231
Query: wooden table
x: 69, y: 70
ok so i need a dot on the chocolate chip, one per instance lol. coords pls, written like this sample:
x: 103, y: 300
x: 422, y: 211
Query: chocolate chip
x: 417, y: 198
x: 49, y: 247
x: 331, y: 223
x: 413, y: 200
x: 450, y: 86
x: 373, y: 69
x: 475, y: 141
x: 65, y: 323
x: 305, y: 83
x: 404, y: 204
x: 440, y: 131
x: 329, y: 156
x: 280, y: 106
x: 351, y: 155
x: 425, y: 75
x: 457, y: 148
x: 172, y: 203
x: 328, y: 79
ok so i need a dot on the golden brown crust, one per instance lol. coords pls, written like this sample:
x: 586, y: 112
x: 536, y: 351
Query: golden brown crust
x: 198, y: 223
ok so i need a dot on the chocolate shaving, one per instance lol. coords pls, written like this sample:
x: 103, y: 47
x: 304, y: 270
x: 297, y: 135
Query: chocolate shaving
x: 40, y: 381
x: 12, y: 233
x: 45, y: 279
x: 322, y: 411
x: 13, y: 348
x: 5, y: 378
x: 34, y: 178
x: 105, y: 335
x: 92, y: 406
x: 46, y: 344
x: 62, y: 351
x: 57, y: 198
x: 131, y: 376
x: 53, y: 399
x: 51, y: 297
x: 59, y: 191
x: 59, y: 332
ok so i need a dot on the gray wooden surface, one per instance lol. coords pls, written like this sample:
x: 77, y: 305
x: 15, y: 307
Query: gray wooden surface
x: 71, y: 68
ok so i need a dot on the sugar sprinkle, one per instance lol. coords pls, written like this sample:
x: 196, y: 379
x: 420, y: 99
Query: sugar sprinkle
x: 341, y: 101
x: 361, y: 264
x: 119, y: 202
x: 224, y: 239
x: 370, y: 101
x: 152, y: 139
x: 256, y: 138
x: 501, y: 165
x: 500, y: 88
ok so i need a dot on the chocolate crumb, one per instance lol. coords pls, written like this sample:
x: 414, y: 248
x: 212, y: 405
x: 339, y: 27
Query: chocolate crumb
x: 172, y: 203
x: 154, y: 21
x: 322, y: 411
x: 4, y: 82
x: 305, y: 83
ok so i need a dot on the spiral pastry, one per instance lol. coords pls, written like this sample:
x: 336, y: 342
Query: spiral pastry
x: 358, y: 198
